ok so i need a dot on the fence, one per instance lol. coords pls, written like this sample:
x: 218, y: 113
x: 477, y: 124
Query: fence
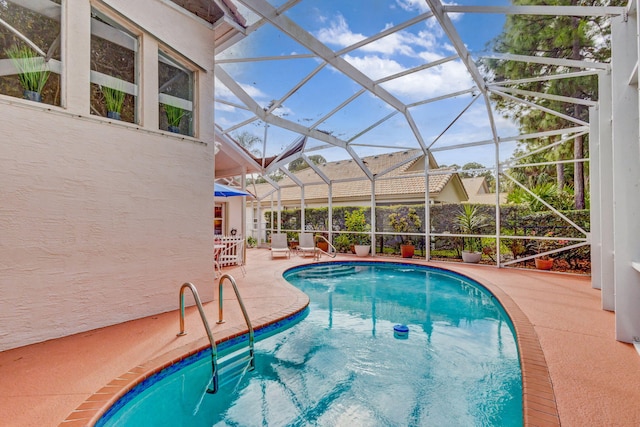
x: 232, y: 250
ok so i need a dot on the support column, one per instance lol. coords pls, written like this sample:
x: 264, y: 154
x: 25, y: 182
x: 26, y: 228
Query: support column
x: 330, y: 212
x: 605, y: 180
x: 373, y: 218
x: 626, y: 177
x: 303, y: 225
x: 280, y: 211
x: 595, y: 202
x: 427, y: 210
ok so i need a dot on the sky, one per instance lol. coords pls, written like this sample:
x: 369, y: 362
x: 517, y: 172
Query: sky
x: 339, y: 24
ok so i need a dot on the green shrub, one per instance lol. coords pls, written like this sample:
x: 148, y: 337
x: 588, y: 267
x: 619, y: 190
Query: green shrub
x: 342, y: 242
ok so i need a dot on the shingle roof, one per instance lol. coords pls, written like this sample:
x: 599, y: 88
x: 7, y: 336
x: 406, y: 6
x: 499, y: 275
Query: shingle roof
x: 400, y: 188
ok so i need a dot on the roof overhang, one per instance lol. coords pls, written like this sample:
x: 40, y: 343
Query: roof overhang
x: 233, y: 160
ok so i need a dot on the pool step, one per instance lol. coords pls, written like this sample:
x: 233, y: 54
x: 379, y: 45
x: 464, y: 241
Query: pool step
x: 231, y: 366
x: 328, y: 271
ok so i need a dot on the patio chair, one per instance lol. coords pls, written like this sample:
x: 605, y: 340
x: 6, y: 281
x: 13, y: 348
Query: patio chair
x: 233, y: 254
x: 307, y: 245
x: 279, y: 245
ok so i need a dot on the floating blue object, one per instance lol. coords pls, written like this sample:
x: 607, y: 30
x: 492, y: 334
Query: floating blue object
x: 401, y: 331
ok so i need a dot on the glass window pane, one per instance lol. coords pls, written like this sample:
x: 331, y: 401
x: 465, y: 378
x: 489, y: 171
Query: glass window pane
x: 113, y: 70
x: 30, y: 50
x: 175, y: 95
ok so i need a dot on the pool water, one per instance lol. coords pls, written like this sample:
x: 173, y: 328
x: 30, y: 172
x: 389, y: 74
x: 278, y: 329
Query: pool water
x: 343, y: 364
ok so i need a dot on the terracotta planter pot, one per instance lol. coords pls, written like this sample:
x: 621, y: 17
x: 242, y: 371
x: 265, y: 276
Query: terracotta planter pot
x: 544, y: 264
x: 323, y: 246
x: 407, y: 251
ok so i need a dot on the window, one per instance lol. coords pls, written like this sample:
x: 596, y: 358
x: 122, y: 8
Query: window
x: 175, y: 95
x: 218, y: 220
x: 30, y: 39
x: 113, y: 70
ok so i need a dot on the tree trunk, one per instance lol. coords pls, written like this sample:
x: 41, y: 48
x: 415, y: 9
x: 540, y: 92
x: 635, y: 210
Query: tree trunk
x: 560, y: 176
x: 578, y: 142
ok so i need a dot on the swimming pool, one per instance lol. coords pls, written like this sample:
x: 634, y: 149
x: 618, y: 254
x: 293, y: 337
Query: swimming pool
x: 344, y: 363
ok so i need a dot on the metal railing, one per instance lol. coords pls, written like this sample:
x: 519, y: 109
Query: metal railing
x: 332, y: 249
x: 214, y: 350
x: 244, y: 313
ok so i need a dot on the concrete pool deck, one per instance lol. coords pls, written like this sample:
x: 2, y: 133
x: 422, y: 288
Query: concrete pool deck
x: 575, y: 373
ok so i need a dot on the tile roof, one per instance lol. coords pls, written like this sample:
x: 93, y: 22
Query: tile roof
x: 403, y: 187
x: 478, y: 191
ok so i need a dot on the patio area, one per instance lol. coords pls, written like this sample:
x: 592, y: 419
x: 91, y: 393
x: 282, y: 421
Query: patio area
x: 593, y: 376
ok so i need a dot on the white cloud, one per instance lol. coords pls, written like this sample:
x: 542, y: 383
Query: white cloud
x: 449, y: 77
x: 223, y: 92
x: 338, y: 33
x: 373, y: 66
x: 411, y: 5
x: 422, y: 6
x: 224, y: 107
x: 399, y: 43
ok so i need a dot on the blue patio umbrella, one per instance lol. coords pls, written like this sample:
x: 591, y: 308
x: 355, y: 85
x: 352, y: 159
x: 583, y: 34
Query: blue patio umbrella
x: 221, y: 190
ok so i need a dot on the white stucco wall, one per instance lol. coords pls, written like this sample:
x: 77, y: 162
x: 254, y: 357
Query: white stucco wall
x: 233, y: 213
x: 102, y: 222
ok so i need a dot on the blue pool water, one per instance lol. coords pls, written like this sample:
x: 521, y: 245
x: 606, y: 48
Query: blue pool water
x: 350, y: 361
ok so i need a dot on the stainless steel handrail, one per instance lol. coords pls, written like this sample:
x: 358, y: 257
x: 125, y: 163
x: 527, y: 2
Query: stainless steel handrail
x: 214, y: 350
x: 242, y: 307
x: 332, y: 249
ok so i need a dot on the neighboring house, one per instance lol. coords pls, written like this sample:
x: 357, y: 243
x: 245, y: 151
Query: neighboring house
x: 478, y: 191
x: 104, y: 219
x: 401, y: 180
x: 351, y: 188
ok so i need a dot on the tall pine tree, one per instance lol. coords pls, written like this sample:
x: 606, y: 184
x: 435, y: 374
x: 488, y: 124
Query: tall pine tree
x: 567, y: 37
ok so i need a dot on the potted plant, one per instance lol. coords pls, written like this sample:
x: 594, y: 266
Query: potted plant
x: 470, y: 221
x: 174, y: 116
x: 545, y: 262
x: 322, y: 243
x: 114, y: 99
x: 355, y: 221
x: 404, y: 223
x: 33, y: 71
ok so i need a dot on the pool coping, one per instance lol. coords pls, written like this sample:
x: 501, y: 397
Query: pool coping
x: 91, y: 410
x: 538, y: 398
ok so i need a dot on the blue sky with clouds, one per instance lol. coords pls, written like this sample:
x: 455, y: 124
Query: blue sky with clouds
x: 340, y: 24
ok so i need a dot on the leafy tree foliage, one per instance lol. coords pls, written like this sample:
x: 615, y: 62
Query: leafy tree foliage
x: 576, y: 38
x: 470, y: 170
x: 250, y: 142
x: 300, y: 164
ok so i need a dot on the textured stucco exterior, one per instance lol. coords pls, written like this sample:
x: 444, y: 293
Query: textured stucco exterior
x: 102, y: 221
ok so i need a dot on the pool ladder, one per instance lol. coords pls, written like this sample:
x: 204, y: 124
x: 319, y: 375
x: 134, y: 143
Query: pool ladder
x: 332, y: 249
x: 233, y: 364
